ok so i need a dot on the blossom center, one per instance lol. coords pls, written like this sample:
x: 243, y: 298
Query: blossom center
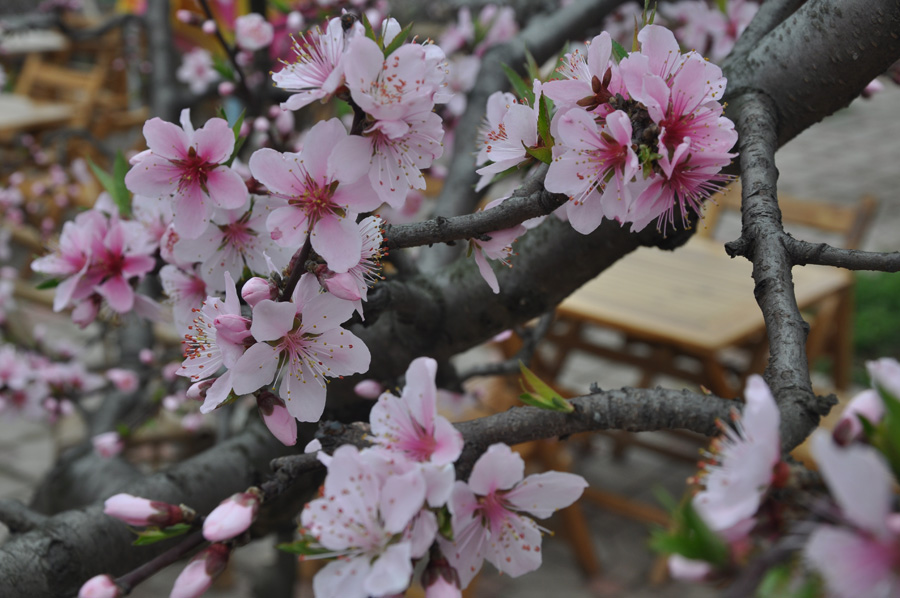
x: 194, y: 170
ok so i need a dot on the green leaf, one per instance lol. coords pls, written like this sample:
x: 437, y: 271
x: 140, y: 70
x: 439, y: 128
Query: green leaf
x: 723, y: 6
x: 115, y: 183
x: 280, y: 6
x: 238, y: 140
x: 222, y: 67
x: 370, y: 33
x: 397, y: 41
x: 544, y: 154
x: 303, y: 546
x: 546, y: 397
x: 690, y: 537
x: 445, y: 524
x: 618, y: 51
x: 544, y: 122
x: 532, y: 68
x: 152, y: 535
x: 50, y: 283
x: 519, y: 86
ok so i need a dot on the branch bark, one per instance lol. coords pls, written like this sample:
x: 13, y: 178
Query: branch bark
x: 804, y: 252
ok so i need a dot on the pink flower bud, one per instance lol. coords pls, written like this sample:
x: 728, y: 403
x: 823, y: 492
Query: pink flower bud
x: 170, y: 371
x: 135, y: 510
x: 101, y: 586
x: 439, y: 579
x: 256, y: 289
x: 209, y: 27
x: 185, y: 16
x: 441, y: 588
x: 86, y: 311
x: 688, y: 569
x: 199, y: 573
x: 108, y: 444
x: 368, y: 389
x: 146, y: 356
x: 232, y: 517
x: 284, y: 122
x: 124, y: 380
x: 280, y: 422
x: 232, y: 328
x: 342, y: 286
x: 261, y: 124
x: 226, y: 88
x: 294, y: 21
x: 197, y: 391
x: 868, y: 404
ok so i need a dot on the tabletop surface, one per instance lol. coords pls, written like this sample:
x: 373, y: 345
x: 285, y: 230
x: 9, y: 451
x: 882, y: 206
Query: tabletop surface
x: 694, y: 297
x: 20, y: 113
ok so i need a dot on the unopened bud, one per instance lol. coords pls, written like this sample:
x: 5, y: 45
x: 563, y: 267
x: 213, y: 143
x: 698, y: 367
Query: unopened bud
x: 232, y: 517
x: 108, y: 444
x: 277, y: 418
x: 135, y: 510
x: 256, y: 289
x: 368, y: 389
x: 261, y: 124
x: 232, y: 328
x: 197, y: 391
x: 123, y: 379
x: 185, y: 16
x: 101, y: 586
x: 868, y: 404
x: 226, y: 88
x: 294, y: 21
x: 196, y: 578
x: 341, y: 285
x: 209, y: 27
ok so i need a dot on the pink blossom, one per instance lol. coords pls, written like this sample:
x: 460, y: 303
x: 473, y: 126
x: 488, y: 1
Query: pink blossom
x: 277, y: 418
x: 198, y: 575
x: 252, y: 32
x: 486, y: 514
x: 858, y: 560
x: 257, y: 289
x: 498, y: 247
x: 232, y: 517
x: 587, y: 156
x: 196, y: 70
x: 108, y: 444
x: 186, y: 290
x: 101, y: 586
x: 867, y: 404
x: 686, y: 569
x: 745, y: 456
x: 353, y: 285
x: 125, y: 380
x: 233, y: 240
x: 300, y: 342
x: 188, y: 165
x: 138, y: 511
x: 885, y: 375
x: 363, y: 517
x: 504, y: 146
x: 318, y: 70
x: 324, y: 191
x: 588, y: 81
x: 441, y: 588
x: 410, y: 423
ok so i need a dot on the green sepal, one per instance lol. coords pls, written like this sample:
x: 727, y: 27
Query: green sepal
x: 445, y: 523
x: 546, y: 397
x: 690, y: 537
x: 544, y: 154
x: 397, y: 41
x: 531, y: 66
x: 544, y: 108
x: 221, y: 66
x: 887, y: 433
x: 238, y: 140
x: 722, y: 6
x: 152, y: 535
x: 782, y: 582
x: 50, y: 283
x: 519, y: 86
x: 618, y: 51
x: 281, y: 6
x: 370, y: 33
x: 303, y: 546
x: 115, y: 183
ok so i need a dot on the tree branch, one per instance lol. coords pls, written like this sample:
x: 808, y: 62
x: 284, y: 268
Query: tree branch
x: 804, y: 252
x: 770, y: 14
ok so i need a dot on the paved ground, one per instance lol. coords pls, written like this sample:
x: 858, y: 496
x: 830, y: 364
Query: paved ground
x: 851, y: 153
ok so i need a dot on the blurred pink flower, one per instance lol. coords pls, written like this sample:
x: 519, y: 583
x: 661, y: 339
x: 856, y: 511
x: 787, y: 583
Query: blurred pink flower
x: 253, y: 32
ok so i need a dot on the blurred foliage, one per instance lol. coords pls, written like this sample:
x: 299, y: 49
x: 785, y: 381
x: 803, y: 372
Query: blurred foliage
x: 877, y: 320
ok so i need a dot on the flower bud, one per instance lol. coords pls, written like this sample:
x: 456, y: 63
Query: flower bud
x: 275, y: 415
x: 687, y: 569
x: 232, y: 517
x: 441, y: 588
x: 232, y: 328
x: 256, y: 289
x: 389, y: 30
x: 135, y: 510
x: 86, y: 311
x: 294, y: 21
x: 108, y: 444
x: 199, y: 573
x: 368, y: 389
x: 439, y: 579
x: 101, y: 586
x: 868, y: 404
x: 226, y: 88
x: 146, y: 356
x: 209, y: 27
x: 342, y: 286
x: 185, y: 16
x: 123, y: 379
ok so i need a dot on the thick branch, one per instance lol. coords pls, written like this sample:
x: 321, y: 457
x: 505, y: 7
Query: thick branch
x: 769, y: 16
x: 804, y: 252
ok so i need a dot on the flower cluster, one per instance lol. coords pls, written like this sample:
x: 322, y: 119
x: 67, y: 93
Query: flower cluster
x: 380, y: 505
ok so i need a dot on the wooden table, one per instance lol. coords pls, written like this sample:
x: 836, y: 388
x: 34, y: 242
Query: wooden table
x: 19, y: 113
x: 694, y: 301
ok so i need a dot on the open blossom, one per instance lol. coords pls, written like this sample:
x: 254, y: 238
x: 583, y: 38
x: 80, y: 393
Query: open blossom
x: 318, y: 70
x: 353, y: 285
x: 186, y: 290
x: 197, y: 71
x: 504, y: 145
x: 324, y: 189
x: 487, y: 514
x: 215, y: 338
x: 124, y: 379
x: 253, y: 32
x: 188, y: 166
x: 498, y: 247
x: 857, y: 560
x: 301, y: 343
x: 366, y: 516
x: 410, y: 423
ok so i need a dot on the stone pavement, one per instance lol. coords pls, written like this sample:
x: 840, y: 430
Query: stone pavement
x: 851, y: 153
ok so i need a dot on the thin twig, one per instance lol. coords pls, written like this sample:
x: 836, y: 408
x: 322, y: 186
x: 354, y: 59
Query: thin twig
x: 530, y: 339
x: 150, y: 568
x: 804, y: 252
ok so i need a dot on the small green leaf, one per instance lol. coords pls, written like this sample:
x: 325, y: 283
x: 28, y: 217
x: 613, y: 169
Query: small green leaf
x: 519, y: 86
x: 533, y: 70
x: 152, y: 535
x: 544, y: 121
x: 690, y: 537
x: 221, y: 66
x: 723, y: 6
x: 115, y: 183
x: 618, y: 51
x: 50, y: 283
x: 546, y: 397
x: 238, y: 140
x: 280, y: 6
x: 544, y: 154
x: 303, y: 546
x: 370, y: 33
x: 398, y: 41
x: 445, y: 523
